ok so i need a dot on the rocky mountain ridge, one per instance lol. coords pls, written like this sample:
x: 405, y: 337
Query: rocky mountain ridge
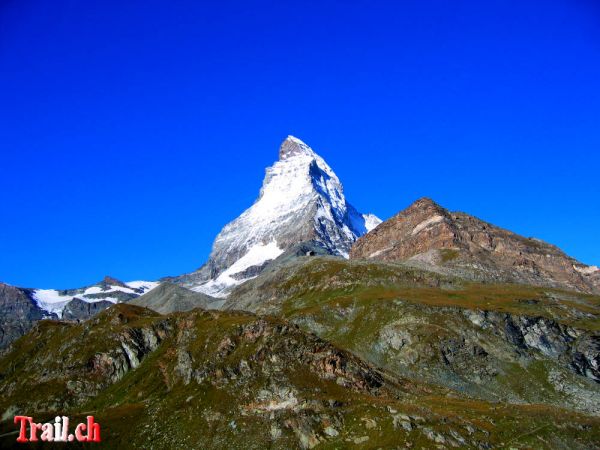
x: 431, y: 237
x: 109, y: 289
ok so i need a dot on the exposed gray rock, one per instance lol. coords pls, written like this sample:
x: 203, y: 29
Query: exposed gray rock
x: 168, y: 298
x: 578, y: 349
x: 135, y: 344
x: 585, y: 358
x: 18, y: 313
x: 79, y: 310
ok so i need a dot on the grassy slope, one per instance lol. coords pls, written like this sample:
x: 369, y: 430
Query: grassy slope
x: 357, y: 304
x: 321, y: 280
x: 153, y: 407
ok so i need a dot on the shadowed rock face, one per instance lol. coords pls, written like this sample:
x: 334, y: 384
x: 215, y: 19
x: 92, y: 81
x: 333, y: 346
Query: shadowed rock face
x: 18, y: 312
x: 430, y: 236
x: 78, y: 309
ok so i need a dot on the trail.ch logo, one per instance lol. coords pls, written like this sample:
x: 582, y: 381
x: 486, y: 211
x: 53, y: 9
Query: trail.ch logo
x: 57, y: 431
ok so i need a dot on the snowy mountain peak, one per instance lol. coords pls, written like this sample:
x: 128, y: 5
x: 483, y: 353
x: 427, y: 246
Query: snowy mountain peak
x: 301, y: 200
x: 292, y: 146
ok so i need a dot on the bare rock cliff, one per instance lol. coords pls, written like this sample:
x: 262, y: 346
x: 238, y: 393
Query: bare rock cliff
x: 427, y: 235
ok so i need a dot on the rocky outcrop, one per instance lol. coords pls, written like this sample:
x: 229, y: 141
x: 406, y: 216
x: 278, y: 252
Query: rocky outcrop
x: 487, y: 354
x: 577, y: 349
x: 77, y: 361
x: 129, y: 334
x: 79, y: 310
x: 76, y: 364
x: 18, y: 313
x: 429, y: 236
x: 135, y: 345
x: 473, y: 337
x: 291, y: 345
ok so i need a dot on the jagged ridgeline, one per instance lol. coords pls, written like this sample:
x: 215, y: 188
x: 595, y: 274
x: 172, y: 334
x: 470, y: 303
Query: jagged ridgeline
x: 315, y: 326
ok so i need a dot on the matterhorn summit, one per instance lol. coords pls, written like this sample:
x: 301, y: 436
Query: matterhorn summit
x: 301, y: 200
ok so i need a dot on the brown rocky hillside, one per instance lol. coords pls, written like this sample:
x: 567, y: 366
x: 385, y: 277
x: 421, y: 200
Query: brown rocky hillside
x: 429, y: 236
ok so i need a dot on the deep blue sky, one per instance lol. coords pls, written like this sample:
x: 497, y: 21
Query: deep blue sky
x: 132, y: 131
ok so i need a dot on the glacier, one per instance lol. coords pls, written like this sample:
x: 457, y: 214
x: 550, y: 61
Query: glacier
x: 53, y: 301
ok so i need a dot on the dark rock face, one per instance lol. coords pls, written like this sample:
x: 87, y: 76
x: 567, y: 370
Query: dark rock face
x: 79, y: 310
x: 18, y: 312
x: 430, y: 236
x: 577, y: 349
x: 586, y: 357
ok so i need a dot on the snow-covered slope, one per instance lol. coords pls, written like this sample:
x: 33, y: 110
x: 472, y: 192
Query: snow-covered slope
x: 301, y: 199
x: 114, y: 291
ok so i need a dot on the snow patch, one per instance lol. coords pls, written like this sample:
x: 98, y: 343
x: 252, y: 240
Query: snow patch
x: 426, y: 223
x: 256, y: 256
x: 371, y: 221
x: 146, y: 286
x: 93, y: 290
x: 96, y: 300
x: 379, y: 252
x: 51, y: 301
